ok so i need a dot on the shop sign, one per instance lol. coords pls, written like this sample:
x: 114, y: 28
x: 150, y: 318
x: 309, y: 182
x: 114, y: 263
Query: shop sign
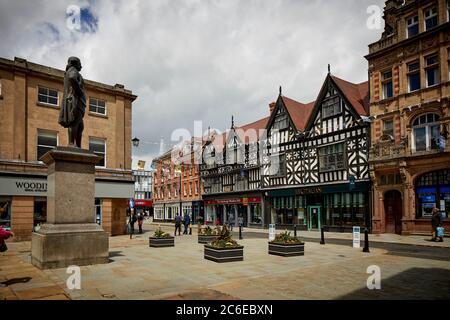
x: 143, y: 203
x: 245, y: 201
x: 310, y: 190
x: 23, y: 186
x: 356, y: 237
x: 271, y: 232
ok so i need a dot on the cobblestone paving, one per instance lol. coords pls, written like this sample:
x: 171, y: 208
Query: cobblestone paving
x: 136, y: 271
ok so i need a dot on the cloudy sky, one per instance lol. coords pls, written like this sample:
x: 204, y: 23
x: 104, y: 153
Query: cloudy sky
x: 195, y: 59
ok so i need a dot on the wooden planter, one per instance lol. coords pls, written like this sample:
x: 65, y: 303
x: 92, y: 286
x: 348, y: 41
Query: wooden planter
x: 287, y: 250
x: 161, y: 242
x: 206, y: 238
x: 224, y: 254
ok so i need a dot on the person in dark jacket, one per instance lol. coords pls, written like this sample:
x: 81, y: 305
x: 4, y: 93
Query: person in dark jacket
x: 436, y: 221
x: 140, y: 220
x: 132, y: 222
x: 178, y: 225
x: 187, y: 222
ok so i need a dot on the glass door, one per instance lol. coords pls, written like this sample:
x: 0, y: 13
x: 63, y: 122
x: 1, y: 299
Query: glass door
x: 314, y: 218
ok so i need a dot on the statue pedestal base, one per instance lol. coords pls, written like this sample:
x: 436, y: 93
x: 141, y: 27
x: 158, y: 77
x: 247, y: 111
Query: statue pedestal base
x: 62, y: 245
x: 70, y: 236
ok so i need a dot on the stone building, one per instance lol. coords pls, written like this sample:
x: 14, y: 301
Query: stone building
x: 30, y: 100
x: 409, y: 107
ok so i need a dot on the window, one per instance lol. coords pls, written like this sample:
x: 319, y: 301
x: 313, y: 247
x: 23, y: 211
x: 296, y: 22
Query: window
x: 46, y: 141
x: 388, y: 88
x: 5, y: 212
x: 412, y: 26
x: 48, y: 96
x: 97, y: 106
x: 426, y: 132
x: 98, y: 146
x: 413, y: 76
x: 432, y: 70
x: 281, y: 120
x: 331, y: 157
x: 98, y: 210
x: 278, y: 165
x: 331, y: 107
x: 431, y: 18
x: 388, y: 127
x: 40, y: 211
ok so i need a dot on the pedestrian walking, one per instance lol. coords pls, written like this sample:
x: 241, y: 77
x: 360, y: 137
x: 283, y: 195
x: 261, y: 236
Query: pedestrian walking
x: 178, y: 225
x: 132, y: 221
x: 4, y: 234
x: 436, y: 225
x: 140, y: 220
x: 231, y: 221
x: 187, y: 222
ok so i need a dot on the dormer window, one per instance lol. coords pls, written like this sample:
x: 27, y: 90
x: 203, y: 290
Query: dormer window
x: 281, y: 121
x: 431, y: 18
x: 331, y: 107
x: 412, y: 26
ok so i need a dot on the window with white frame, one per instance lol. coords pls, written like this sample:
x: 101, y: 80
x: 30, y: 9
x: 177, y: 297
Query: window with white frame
x: 388, y: 127
x: 426, y: 132
x: 413, y: 76
x: 412, y: 26
x: 332, y: 157
x: 48, y: 96
x: 46, y: 141
x: 98, y: 146
x: 97, y: 106
x: 432, y: 70
x: 388, y: 86
x: 431, y: 18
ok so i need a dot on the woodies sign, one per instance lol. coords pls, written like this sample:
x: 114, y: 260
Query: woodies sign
x: 23, y: 186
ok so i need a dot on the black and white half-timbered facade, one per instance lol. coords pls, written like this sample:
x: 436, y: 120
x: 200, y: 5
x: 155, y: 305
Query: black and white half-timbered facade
x: 230, y: 172
x: 314, y: 170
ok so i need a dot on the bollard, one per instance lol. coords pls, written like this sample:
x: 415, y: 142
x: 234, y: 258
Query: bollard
x: 240, y: 232
x: 295, y: 230
x: 322, y: 237
x: 366, y: 240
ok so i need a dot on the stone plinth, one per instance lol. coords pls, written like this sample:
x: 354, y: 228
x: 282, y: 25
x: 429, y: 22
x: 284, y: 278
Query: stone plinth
x: 70, y: 236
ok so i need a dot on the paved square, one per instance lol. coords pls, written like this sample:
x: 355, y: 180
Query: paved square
x: 136, y: 271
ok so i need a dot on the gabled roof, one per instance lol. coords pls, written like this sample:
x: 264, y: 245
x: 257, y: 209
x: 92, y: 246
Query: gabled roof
x: 356, y: 94
x: 299, y: 112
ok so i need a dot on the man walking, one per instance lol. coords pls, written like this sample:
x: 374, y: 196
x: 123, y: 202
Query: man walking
x: 187, y: 222
x: 132, y: 222
x: 140, y: 220
x: 436, y: 222
x: 177, y: 225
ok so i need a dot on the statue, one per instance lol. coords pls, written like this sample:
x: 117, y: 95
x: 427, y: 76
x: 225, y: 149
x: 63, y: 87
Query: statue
x: 74, y: 102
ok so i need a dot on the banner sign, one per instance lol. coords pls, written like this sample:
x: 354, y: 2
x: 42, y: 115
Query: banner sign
x: 271, y: 232
x: 356, y: 237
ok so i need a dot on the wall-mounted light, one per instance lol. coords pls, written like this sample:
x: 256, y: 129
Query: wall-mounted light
x: 135, y: 142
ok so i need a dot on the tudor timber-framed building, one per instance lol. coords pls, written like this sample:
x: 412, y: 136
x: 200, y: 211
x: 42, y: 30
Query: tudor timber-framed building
x: 30, y: 100
x: 409, y: 104
x: 315, y: 160
x: 231, y: 175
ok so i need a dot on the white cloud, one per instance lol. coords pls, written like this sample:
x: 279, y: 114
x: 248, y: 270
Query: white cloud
x: 197, y: 60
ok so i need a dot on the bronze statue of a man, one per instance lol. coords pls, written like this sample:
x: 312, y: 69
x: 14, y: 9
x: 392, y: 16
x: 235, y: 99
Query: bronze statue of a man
x: 74, y: 102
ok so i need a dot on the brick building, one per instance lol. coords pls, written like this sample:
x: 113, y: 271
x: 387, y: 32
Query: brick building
x: 30, y: 100
x: 409, y: 106
x: 176, y: 183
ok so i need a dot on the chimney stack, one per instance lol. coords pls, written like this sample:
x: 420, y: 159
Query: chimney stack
x: 271, y: 107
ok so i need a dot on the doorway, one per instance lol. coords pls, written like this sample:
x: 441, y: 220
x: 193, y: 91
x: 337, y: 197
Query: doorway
x: 314, y: 218
x: 393, y: 211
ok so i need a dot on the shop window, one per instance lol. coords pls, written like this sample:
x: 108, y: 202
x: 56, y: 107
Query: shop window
x: 40, y: 211
x: 331, y: 107
x: 413, y: 76
x: 46, y: 141
x: 48, y: 96
x: 426, y: 132
x: 331, y: 157
x: 98, y: 146
x: 432, y: 70
x: 388, y: 87
x: 433, y: 190
x: 412, y: 26
x: 431, y: 18
x: 97, y: 106
x: 5, y: 212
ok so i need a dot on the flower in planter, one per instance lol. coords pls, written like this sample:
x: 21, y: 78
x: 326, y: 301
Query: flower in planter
x: 286, y: 238
x: 160, y: 234
x: 224, y: 239
x: 208, y: 231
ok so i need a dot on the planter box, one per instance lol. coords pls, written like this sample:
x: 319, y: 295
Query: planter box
x: 287, y: 250
x: 205, y: 239
x: 161, y: 242
x: 224, y: 254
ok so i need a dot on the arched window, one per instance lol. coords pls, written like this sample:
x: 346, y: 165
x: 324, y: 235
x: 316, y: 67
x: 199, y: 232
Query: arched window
x: 426, y: 132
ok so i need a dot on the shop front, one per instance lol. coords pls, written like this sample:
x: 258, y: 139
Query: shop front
x: 245, y: 210
x: 23, y: 203
x: 335, y: 207
x: 197, y: 211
